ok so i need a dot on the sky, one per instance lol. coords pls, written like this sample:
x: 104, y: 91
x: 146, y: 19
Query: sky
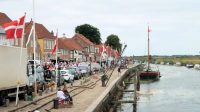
x: 175, y: 24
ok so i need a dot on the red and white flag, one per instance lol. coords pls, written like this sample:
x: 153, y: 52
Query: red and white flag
x: 102, y: 49
x: 116, y: 54
x: 55, y: 44
x: 106, y: 49
x: 15, y: 28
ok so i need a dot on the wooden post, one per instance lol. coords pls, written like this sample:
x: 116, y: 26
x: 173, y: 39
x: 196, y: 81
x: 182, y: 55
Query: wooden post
x: 138, y: 81
x: 135, y: 94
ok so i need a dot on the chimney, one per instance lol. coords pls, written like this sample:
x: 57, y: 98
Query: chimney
x: 64, y: 35
x: 52, y: 33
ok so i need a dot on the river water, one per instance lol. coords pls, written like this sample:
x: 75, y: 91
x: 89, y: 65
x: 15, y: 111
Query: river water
x: 178, y: 90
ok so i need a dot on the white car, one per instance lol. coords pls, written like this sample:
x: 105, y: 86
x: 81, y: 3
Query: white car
x: 84, y: 69
x: 66, y: 75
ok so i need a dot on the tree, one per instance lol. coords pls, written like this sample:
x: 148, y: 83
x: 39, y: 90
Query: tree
x: 90, y: 32
x: 114, y: 41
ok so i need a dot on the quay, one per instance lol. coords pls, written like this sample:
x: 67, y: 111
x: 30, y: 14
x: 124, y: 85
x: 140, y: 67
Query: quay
x: 90, y: 99
x: 86, y: 101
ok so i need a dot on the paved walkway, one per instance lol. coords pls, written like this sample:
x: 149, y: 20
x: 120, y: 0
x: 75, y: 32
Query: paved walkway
x: 89, y: 99
x: 85, y: 101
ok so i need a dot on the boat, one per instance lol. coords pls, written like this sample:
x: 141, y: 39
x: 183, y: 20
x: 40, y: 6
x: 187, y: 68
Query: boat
x: 190, y: 65
x: 148, y: 73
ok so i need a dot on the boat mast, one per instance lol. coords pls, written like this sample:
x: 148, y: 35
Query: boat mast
x: 148, y: 66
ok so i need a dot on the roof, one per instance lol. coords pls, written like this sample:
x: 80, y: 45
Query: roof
x: 98, y: 46
x: 4, y: 19
x: 70, y: 44
x: 40, y: 30
x: 61, y: 44
x: 82, y: 38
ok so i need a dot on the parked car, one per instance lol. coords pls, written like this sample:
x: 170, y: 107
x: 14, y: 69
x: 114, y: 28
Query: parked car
x: 95, y: 67
x: 84, y: 70
x: 67, y: 75
x: 75, y: 71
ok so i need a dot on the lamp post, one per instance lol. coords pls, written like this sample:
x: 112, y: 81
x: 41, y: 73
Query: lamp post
x: 90, y: 65
x: 57, y: 77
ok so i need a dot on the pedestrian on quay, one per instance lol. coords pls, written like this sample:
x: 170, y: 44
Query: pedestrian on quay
x: 119, y: 71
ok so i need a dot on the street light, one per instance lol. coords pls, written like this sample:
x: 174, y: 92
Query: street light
x: 57, y: 66
x: 90, y: 65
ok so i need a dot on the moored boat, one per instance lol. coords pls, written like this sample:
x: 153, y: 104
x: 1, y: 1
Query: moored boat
x: 149, y: 74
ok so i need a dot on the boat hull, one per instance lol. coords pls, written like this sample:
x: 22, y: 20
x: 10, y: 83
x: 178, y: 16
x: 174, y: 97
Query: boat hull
x: 152, y: 75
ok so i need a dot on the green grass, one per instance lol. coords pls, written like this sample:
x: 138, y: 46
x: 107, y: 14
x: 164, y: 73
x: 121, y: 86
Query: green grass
x: 184, y: 60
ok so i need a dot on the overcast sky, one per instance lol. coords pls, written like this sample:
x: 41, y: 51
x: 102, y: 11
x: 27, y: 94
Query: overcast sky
x: 175, y: 24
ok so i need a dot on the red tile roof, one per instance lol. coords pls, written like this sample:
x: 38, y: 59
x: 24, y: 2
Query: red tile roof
x: 98, y: 46
x: 40, y: 29
x: 71, y: 44
x: 4, y: 19
x: 61, y: 44
x: 82, y: 38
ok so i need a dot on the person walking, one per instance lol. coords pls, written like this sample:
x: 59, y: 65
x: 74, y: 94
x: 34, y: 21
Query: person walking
x: 119, y: 71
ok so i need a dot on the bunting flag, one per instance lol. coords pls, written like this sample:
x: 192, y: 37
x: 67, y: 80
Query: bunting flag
x: 116, y: 54
x: 55, y: 44
x: 102, y: 49
x: 15, y: 28
x: 106, y: 50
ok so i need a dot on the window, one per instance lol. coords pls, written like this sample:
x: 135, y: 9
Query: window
x: 49, y: 44
x: 97, y: 50
x: 92, y: 48
x: 1, y: 39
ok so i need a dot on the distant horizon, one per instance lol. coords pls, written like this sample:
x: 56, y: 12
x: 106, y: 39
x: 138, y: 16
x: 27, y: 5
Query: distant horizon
x: 169, y: 55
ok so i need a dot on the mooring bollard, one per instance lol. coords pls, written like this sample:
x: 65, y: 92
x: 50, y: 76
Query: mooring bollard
x: 55, y: 103
x: 7, y: 101
x: 40, y: 92
x: 81, y: 82
x: 25, y: 97
x: 52, y: 89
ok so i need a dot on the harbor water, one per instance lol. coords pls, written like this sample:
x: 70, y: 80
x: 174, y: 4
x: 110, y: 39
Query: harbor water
x: 178, y: 90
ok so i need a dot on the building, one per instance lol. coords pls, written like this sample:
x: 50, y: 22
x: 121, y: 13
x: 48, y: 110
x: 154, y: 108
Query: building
x: 87, y: 45
x: 44, y: 40
x: 76, y: 51
x: 63, y: 50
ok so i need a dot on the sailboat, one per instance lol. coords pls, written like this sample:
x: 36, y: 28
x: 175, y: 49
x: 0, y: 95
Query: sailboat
x: 148, y: 73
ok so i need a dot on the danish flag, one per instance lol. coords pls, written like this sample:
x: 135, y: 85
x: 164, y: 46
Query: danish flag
x: 15, y: 28
x: 55, y: 44
x: 102, y: 49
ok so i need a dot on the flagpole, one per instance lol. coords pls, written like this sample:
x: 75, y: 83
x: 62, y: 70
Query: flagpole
x: 29, y: 37
x: 100, y: 60
x: 148, y: 50
x: 20, y: 61
x: 56, y: 58
x: 34, y: 49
